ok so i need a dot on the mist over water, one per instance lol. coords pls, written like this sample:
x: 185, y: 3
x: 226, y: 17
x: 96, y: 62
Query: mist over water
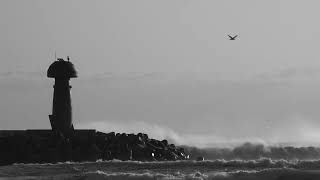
x: 213, y: 148
x: 291, y: 137
x: 250, y: 151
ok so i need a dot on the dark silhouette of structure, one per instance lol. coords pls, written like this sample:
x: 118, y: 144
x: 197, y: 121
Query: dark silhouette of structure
x: 64, y: 143
x: 61, y: 118
x: 232, y: 38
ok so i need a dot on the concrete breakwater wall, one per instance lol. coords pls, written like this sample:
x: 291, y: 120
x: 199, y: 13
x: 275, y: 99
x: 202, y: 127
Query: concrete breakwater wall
x: 44, y: 146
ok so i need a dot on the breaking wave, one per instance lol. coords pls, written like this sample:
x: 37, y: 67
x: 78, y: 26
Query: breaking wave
x: 213, y: 164
x: 248, y: 161
x: 131, y: 170
x: 250, y: 151
x: 269, y: 174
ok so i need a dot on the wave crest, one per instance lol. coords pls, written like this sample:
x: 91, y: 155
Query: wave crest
x: 250, y: 151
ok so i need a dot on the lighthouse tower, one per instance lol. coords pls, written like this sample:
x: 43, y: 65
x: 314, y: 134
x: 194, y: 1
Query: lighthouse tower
x: 61, y: 118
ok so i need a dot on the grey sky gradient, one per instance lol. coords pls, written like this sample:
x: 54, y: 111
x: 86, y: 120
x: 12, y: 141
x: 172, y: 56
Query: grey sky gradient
x: 167, y: 64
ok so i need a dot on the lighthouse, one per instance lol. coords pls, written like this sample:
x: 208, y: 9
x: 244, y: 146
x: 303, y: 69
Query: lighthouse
x: 61, y: 117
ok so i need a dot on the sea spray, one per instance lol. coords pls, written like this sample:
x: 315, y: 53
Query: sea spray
x: 251, y: 151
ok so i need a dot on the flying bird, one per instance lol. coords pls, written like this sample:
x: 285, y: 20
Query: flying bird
x: 232, y: 38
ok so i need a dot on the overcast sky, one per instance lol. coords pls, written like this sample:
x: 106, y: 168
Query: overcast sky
x: 167, y: 67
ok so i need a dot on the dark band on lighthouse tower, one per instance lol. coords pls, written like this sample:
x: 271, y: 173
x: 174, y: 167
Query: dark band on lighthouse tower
x: 61, y: 118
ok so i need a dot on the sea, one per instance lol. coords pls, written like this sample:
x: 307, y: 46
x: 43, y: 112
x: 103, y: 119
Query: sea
x: 248, y: 161
x: 262, y: 169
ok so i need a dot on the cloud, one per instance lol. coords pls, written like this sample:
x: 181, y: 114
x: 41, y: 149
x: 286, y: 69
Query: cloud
x: 23, y: 74
x: 303, y: 73
x: 123, y: 75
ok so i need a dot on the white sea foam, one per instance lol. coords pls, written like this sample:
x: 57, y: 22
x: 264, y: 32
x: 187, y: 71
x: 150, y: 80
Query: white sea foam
x: 190, y: 170
x: 237, y: 163
x: 217, y: 169
x: 267, y: 174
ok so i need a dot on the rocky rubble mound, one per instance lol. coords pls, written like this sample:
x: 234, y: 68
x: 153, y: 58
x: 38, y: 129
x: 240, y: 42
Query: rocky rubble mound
x: 137, y: 147
x: 46, y: 147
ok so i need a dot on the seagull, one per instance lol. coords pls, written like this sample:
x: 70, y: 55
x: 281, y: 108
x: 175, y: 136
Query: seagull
x: 232, y: 38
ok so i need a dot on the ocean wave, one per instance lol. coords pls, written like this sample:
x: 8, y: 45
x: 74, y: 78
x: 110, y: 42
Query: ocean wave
x: 250, y: 151
x: 190, y: 170
x: 267, y: 174
x: 248, y: 161
x: 122, y: 176
x: 258, y: 164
